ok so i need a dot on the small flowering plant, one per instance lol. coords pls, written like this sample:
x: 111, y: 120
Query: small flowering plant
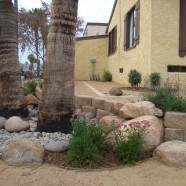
x: 130, y: 139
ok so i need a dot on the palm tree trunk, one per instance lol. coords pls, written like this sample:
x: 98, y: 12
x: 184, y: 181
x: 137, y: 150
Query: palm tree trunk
x: 37, y: 51
x: 58, y: 91
x: 11, y: 92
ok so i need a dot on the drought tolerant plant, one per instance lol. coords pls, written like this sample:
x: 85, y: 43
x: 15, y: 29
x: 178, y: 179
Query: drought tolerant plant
x: 129, y: 140
x: 29, y: 87
x: 86, y: 145
x: 107, y: 76
x: 167, y: 100
x: 155, y: 79
x: 134, y: 78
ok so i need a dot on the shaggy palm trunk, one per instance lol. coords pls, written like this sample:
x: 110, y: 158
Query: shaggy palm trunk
x: 58, y: 89
x: 11, y: 92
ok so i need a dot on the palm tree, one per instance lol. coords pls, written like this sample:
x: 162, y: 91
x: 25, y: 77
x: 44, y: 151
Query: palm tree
x: 58, y: 88
x: 11, y: 92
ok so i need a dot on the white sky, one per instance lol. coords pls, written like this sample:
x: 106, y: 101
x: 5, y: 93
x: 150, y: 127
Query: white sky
x: 90, y: 10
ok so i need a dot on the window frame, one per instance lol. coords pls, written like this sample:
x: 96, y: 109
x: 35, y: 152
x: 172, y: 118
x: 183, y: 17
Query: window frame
x: 135, y: 8
x: 112, y: 42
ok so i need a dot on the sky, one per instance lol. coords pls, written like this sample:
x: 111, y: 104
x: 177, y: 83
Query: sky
x: 90, y: 10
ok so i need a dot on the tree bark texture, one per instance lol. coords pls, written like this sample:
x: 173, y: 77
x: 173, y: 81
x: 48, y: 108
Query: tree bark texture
x: 11, y: 92
x: 58, y: 86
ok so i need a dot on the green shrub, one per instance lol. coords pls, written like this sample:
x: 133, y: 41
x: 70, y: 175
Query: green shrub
x: 129, y: 141
x: 40, y: 84
x: 107, y: 76
x: 155, y: 79
x: 167, y: 100
x: 134, y: 78
x: 29, y: 87
x: 86, y: 145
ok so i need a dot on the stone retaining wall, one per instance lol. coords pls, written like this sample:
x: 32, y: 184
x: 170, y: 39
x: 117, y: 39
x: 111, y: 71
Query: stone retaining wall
x: 174, y: 122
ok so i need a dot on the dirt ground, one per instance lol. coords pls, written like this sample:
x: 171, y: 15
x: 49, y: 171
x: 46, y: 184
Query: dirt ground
x: 148, y: 173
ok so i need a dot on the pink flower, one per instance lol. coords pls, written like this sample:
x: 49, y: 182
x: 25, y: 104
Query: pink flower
x: 77, y: 114
x: 98, y: 117
x: 118, y: 124
x: 125, y: 126
x: 145, y: 122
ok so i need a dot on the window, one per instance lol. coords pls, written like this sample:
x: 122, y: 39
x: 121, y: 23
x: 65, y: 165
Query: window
x: 182, y: 39
x: 112, y: 40
x: 176, y: 68
x: 131, y: 27
x: 120, y: 70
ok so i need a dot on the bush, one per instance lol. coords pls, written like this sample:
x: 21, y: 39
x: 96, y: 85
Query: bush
x: 134, y: 78
x: 129, y: 141
x: 155, y: 79
x: 167, y: 100
x: 29, y: 87
x: 107, y: 76
x: 86, y: 145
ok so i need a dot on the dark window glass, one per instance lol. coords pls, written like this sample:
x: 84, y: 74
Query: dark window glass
x: 176, y: 68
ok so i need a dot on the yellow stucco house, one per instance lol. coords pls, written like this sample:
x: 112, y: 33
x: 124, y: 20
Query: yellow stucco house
x: 146, y: 35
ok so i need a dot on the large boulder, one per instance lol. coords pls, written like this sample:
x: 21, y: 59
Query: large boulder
x: 102, y: 113
x: 31, y: 100
x: 153, y: 137
x: 107, y: 123
x: 134, y: 110
x: 172, y: 153
x: 16, y: 124
x: 57, y: 146
x: 115, y: 91
x: 2, y: 122
x: 38, y: 93
x: 23, y: 152
x: 174, y: 134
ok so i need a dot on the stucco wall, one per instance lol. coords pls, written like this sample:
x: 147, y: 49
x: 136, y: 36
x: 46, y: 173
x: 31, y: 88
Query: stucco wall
x: 95, y: 30
x: 165, y: 39
x: 87, y: 49
x: 136, y: 58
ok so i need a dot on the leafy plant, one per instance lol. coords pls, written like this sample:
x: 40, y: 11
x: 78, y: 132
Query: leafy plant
x: 167, y: 100
x: 155, y: 79
x: 29, y: 87
x: 107, y: 76
x: 130, y: 140
x: 86, y: 145
x: 134, y: 78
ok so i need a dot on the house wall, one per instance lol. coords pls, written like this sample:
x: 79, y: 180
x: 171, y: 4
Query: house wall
x: 95, y: 30
x: 88, y: 48
x: 136, y: 58
x: 165, y: 39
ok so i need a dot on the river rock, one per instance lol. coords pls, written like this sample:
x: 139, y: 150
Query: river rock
x: 16, y: 124
x: 57, y: 146
x: 2, y: 122
x: 115, y: 91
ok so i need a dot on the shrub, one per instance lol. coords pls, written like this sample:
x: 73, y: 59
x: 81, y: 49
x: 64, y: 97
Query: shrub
x: 155, y: 79
x: 134, y: 78
x: 107, y: 76
x: 167, y: 100
x: 86, y: 145
x: 129, y: 141
x: 29, y: 87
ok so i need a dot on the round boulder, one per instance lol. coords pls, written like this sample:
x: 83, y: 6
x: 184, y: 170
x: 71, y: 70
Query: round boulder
x: 57, y: 146
x: 172, y: 153
x: 16, y: 124
x: 2, y: 122
x: 23, y: 152
x: 31, y: 100
x: 107, y: 123
x: 115, y: 91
